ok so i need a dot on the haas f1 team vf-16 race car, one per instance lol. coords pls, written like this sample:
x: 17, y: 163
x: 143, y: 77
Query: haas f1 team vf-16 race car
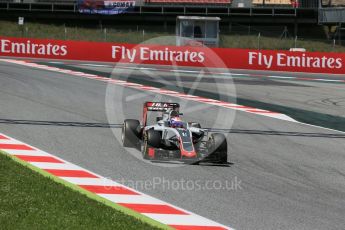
x: 170, y: 138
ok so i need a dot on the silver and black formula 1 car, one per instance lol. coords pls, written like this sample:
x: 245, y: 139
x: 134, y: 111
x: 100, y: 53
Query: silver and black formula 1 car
x: 170, y: 138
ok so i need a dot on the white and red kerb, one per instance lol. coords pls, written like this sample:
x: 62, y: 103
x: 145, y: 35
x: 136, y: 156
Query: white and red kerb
x: 146, y: 205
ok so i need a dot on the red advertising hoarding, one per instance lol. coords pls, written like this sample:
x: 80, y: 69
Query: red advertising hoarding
x: 309, y: 62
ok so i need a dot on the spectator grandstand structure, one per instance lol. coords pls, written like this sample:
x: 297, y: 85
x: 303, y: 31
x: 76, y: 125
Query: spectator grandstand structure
x: 333, y: 11
x: 333, y: 3
x: 294, y: 14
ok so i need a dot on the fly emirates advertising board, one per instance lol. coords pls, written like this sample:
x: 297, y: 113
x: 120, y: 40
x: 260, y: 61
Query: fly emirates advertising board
x: 269, y: 60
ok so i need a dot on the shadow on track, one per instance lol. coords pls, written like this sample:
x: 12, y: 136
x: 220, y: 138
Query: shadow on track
x: 60, y: 123
x: 277, y: 133
x: 119, y: 126
x: 227, y: 164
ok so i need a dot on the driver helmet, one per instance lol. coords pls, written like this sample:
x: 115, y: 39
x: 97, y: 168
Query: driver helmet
x: 176, y: 122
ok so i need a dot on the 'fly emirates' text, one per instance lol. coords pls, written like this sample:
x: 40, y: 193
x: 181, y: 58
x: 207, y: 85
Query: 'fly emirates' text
x: 148, y: 54
x: 286, y: 60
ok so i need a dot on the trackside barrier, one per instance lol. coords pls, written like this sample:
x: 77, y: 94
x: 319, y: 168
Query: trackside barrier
x: 308, y: 62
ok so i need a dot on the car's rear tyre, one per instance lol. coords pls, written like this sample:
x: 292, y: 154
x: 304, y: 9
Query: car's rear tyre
x: 152, y: 140
x: 130, y: 133
x: 218, y: 147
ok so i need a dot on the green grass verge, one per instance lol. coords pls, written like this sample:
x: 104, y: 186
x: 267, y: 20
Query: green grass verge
x: 51, y: 31
x: 30, y: 198
x: 271, y: 43
x: 125, y: 35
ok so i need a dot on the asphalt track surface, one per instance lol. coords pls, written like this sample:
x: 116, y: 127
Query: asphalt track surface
x: 320, y: 93
x: 290, y: 175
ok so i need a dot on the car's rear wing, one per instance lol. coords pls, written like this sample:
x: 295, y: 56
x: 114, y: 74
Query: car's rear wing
x: 158, y: 107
